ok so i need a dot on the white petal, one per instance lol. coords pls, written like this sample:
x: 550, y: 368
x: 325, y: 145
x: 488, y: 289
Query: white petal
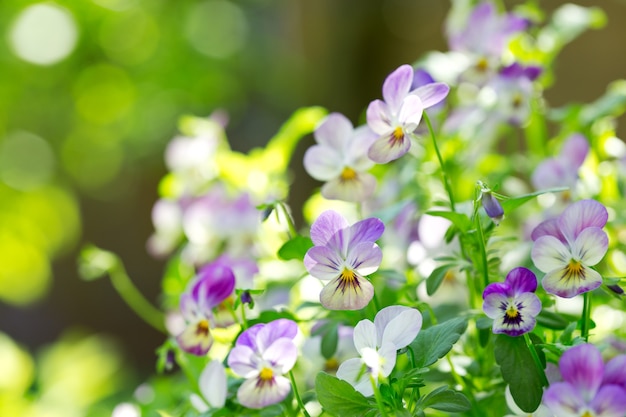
x: 402, y: 329
x: 387, y: 354
x: 549, y: 253
x: 591, y: 245
x: 212, y: 384
x: 364, y: 335
x: 254, y: 393
x: 352, y: 371
x: 323, y: 163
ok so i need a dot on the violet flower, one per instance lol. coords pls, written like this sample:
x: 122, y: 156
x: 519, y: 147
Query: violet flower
x: 566, y: 247
x: 340, y: 159
x: 263, y: 354
x: 343, y: 254
x: 512, y: 304
x: 212, y: 285
x: 584, y: 391
x: 394, y: 328
x: 562, y: 170
x: 395, y: 119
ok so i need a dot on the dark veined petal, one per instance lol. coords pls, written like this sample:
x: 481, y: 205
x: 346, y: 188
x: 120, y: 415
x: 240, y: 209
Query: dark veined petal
x: 347, y: 292
x: 263, y: 390
x: 196, y: 338
x: 390, y: 147
x: 521, y: 280
x: 570, y: 280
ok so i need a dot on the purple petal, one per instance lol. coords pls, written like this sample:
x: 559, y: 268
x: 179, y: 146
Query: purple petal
x: 521, y: 280
x: 431, y: 94
x: 340, y: 294
x: 563, y: 399
x: 550, y: 173
x: 396, y: 87
x: 386, y: 149
x: 379, y: 118
x: 274, y: 330
x: 215, y: 282
x: 282, y: 354
x: 242, y: 361
x: 356, y: 190
x: 364, y: 258
x: 615, y: 371
x: 497, y: 288
x: 256, y: 393
x: 582, y: 367
x: 548, y: 228
x: 322, y: 163
x: 334, y: 131
x: 323, y: 263
x: 248, y: 337
x: 421, y: 77
x: 580, y: 215
x: 590, y: 246
x: 610, y: 401
x: 368, y: 230
x: 575, y: 150
x: 328, y: 225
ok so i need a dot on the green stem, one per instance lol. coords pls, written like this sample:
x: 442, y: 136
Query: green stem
x: 415, y: 394
x: 297, y: 395
x: 483, y: 251
x: 379, y: 398
x: 244, y: 321
x: 446, y: 182
x: 533, y: 353
x: 290, y: 224
x: 135, y: 299
x: 586, y: 318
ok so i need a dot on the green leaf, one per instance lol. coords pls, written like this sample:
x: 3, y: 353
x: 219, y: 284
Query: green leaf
x: 339, y: 398
x: 295, y: 248
x: 458, y: 219
x: 519, y: 371
x: 552, y: 320
x: 445, y: 399
x: 436, y: 278
x: 330, y: 340
x: 433, y: 343
x: 514, y: 202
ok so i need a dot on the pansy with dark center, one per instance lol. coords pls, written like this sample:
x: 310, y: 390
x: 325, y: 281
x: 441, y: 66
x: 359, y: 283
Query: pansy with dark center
x: 512, y: 304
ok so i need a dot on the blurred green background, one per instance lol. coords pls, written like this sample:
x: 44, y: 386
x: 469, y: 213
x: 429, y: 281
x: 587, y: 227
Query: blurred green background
x: 90, y: 94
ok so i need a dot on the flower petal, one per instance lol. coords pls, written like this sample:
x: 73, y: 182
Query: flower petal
x: 212, y: 384
x: 215, y: 282
x: 322, y: 163
x: 274, y: 330
x: 591, y: 245
x: 365, y: 335
x: 379, y: 118
x: 492, y: 304
x: 402, y: 328
x: 364, y: 258
x: 387, y: 148
x: 257, y: 393
x: 353, y: 372
x: 323, y: 263
x: 615, y: 371
x: 388, y: 354
x: 550, y: 173
x: 354, y: 190
x: 326, y: 228
x: 342, y: 294
x: 282, y: 354
x: 609, y: 401
x: 521, y: 280
x: 549, y: 253
x: 196, y: 338
x: 243, y: 361
x: 563, y: 283
x: 334, y: 131
x: 548, y: 228
x: 411, y: 113
x: 368, y: 230
x: 575, y: 150
x: 497, y: 288
x: 431, y: 94
x: 563, y: 400
x: 582, y: 367
x: 580, y: 215
x: 396, y: 87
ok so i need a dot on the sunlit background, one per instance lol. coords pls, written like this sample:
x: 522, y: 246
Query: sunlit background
x: 90, y: 93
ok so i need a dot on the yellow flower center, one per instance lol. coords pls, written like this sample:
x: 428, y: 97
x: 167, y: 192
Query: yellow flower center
x: 482, y: 65
x: 202, y: 327
x: 347, y: 279
x: 511, y: 312
x: 587, y: 414
x: 266, y: 374
x: 573, y: 270
x: 348, y: 174
x: 397, y: 136
x: 331, y: 365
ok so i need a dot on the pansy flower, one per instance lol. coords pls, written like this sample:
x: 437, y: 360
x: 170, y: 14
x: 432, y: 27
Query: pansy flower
x: 584, y: 392
x: 394, y: 328
x: 513, y: 304
x: 340, y: 159
x: 263, y: 354
x: 343, y: 255
x: 395, y: 119
x: 213, y: 284
x: 562, y: 170
x: 565, y: 248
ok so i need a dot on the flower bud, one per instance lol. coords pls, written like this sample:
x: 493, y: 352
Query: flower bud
x: 492, y: 207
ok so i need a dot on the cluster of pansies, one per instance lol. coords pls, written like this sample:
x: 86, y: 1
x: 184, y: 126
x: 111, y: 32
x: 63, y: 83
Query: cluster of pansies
x: 415, y: 278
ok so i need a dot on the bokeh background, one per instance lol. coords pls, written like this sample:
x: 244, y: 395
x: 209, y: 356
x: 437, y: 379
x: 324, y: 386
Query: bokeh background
x: 90, y: 94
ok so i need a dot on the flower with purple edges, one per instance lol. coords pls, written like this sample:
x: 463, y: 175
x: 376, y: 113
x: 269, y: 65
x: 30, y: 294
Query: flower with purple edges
x: 585, y: 392
x: 513, y: 304
x: 566, y: 247
x: 213, y: 284
x: 513, y: 88
x: 343, y: 254
x: 340, y: 159
x: 394, y: 328
x: 562, y: 170
x: 263, y: 354
x: 395, y: 119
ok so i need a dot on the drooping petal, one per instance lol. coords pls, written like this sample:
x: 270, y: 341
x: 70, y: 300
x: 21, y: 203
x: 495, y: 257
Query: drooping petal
x: 364, y: 258
x: 365, y: 335
x: 347, y: 292
x: 355, y: 190
x: 323, y: 263
x: 212, y: 384
x: 549, y: 253
x: 571, y: 280
x: 196, y: 338
x: 432, y: 94
x: 615, y: 371
x: 379, y: 118
x: 609, y: 401
x: 353, y: 372
x: 398, y: 326
x: 396, y: 87
x: 548, y: 228
x: 410, y: 113
x: 322, y: 163
x: 282, y: 354
x: 243, y: 361
x: 521, y: 280
x: 590, y: 246
x: 582, y: 367
x: 258, y: 393
x: 326, y: 227
x: 563, y: 400
x: 580, y: 215
x: 334, y: 131
x: 388, y: 148
x: 274, y: 330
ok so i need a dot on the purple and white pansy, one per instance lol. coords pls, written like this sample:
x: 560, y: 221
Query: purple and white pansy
x: 567, y: 247
x: 263, y: 354
x: 213, y: 284
x: 396, y: 118
x: 513, y: 304
x: 343, y: 254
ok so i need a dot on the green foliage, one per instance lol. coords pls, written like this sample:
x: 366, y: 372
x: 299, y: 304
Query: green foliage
x: 444, y: 399
x: 433, y: 343
x: 339, y: 398
x: 295, y: 248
